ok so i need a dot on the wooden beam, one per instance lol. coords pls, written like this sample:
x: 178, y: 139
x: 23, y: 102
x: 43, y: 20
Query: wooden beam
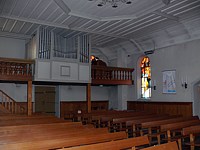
x: 166, y: 15
x: 88, y: 97
x: 29, y: 97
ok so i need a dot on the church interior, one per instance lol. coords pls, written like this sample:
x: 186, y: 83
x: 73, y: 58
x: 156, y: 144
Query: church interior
x: 125, y: 72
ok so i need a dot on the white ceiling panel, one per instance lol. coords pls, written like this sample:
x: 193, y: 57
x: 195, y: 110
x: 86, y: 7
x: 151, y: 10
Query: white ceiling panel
x: 141, y: 21
x: 40, y: 8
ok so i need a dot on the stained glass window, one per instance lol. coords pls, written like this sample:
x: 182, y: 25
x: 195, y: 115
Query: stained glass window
x: 145, y: 78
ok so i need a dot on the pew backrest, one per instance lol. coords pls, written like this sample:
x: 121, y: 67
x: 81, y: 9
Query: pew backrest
x: 179, y: 125
x: 59, y: 142
x: 114, y: 145
x: 167, y: 121
x: 167, y: 146
x: 191, y: 130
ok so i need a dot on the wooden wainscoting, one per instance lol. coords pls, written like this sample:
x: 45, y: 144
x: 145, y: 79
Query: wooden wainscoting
x: 73, y: 106
x: 171, y: 108
x: 25, y: 106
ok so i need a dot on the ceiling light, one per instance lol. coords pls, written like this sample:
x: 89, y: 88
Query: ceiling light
x: 113, y: 3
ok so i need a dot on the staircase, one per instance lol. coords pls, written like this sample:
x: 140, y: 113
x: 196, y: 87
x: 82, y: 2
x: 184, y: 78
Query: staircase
x: 9, y: 105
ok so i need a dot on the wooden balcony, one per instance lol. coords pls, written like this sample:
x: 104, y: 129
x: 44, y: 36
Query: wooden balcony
x: 16, y: 69
x: 111, y: 75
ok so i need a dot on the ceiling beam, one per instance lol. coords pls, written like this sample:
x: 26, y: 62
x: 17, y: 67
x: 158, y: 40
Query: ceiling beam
x: 40, y: 22
x: 45, y: 23
x: 100, y: 33
x: 166, y: 15
x: 63, y: 6
x: 14, y: 35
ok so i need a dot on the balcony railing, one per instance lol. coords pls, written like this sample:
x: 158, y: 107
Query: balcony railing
x: 16, y: 69
x: 111, y: 75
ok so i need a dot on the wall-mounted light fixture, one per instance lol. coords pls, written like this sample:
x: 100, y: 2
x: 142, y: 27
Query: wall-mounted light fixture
x: 154, y: 85
x: 184, y: 82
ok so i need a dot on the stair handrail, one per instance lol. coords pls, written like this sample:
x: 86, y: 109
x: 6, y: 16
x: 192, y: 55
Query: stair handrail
x: 10, y: 104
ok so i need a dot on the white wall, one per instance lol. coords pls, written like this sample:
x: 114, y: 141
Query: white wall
x: 113, y: 97
x: 12, y: 48
x: 184, y: 58
x: 78, y: 93
x: 16, y: 91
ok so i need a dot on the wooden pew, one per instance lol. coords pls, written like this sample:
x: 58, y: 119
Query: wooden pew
x: 166, y: 146
x: 114, y: 145
x: 43, y: 128
x: 29, y: 121
x: 24, y: 136
x: 119, y: 124
x: 87, y: 117
x: 151, y: 124
x: 93, y: 116
x: 133, y: 126
x: 59, y: 142
x: 12, y: 134
x: 192, y: 131
x: 107, y: 120
x: 156, y: 125
x: 17, y: 117
x: 176, y: 127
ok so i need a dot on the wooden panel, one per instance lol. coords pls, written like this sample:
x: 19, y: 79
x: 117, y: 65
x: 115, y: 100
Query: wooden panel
x: 45, y: 99
x: 29, y: 98
x: 74, y: 106
x: 171, y: 108
x: 16, y: 69
x: 89, y: 106
x: 25, y: 105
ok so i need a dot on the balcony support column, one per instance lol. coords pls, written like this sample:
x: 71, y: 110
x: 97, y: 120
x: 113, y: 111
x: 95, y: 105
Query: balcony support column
x: 29, y: 97
x: 88, y: 95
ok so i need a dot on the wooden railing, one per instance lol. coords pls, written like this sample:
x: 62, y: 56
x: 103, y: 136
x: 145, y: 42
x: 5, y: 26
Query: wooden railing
x: 10, y: 104
x: 16, y: 69
x: 111, y: 75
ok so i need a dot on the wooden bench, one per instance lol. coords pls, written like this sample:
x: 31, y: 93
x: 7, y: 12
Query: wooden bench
x: 192, y: 131
x: 114, y: 145
x: 173, y: 128
x: 166, y: 146
x: 51, y: 135
x: 106, y: 120
x: 95, y: 115
x: 155, y: 125
x: 87, y: 117
x: 133, y: 126
x: 28, y: 130
x: 53, y: 142
x: 16, y: 117
x: 119, y: 124
x: 29, y: 121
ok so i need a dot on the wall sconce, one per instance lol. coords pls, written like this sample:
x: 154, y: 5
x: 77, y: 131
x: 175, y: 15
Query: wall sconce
x: 184, y: 83
x: 154, y: 85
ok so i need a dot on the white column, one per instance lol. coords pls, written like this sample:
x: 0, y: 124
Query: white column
x: 122, y: 90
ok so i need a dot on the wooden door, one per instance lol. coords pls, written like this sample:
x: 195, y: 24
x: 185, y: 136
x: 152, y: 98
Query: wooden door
x: 45, y: 99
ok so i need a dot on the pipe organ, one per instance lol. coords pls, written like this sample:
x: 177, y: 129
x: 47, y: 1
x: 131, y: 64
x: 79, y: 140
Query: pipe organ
x: 58, y: 58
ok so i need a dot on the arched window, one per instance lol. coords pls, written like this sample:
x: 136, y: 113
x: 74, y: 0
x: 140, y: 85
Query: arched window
x: 145, y: 78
